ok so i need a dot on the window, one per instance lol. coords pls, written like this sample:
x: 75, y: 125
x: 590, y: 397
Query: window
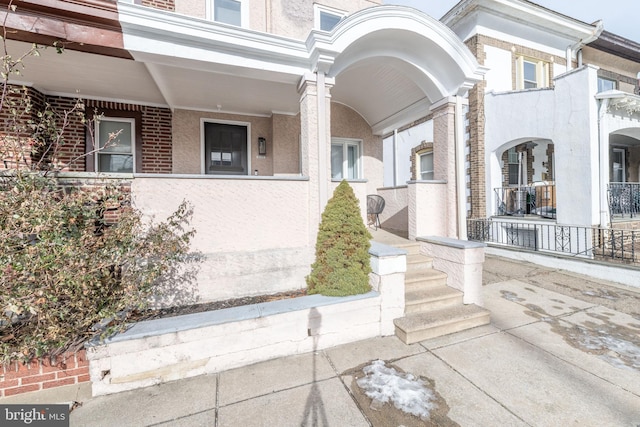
x: 233, y: 12
x: 345, y: 159
x: 226, y: 149
x: 327, y: 18
x: 531, y: 74
x: 426, y: 166
x: 606, y: 84
x: 115, y: 154
x: 513, y: 158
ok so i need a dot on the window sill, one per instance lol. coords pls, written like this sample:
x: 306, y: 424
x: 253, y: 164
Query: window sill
x: 350, y: 180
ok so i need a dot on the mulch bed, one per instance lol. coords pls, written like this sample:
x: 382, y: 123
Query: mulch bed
x: 217, y: 305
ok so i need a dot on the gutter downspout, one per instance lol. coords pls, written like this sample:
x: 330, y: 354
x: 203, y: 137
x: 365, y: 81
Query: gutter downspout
x: 578, y: 46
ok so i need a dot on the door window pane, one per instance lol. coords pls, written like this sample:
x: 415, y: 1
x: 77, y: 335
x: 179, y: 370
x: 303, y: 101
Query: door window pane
x: 619, y: 172
x: 226, y: 149
x: 227, y: 11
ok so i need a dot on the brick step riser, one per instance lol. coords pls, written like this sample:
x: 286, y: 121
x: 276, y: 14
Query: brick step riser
x: 438, y: 331
x: 423, y: 307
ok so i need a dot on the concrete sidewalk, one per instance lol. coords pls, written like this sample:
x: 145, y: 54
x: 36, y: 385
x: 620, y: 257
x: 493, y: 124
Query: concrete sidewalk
x: 547, y: 359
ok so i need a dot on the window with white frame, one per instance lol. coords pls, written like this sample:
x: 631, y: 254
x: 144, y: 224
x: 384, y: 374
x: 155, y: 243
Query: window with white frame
x: 606, y: 84
x: 233, y: 12
x: 426, y: 166
x: 345, y: 159
x: 115, y: 144
x: 513, y: 161
x: 326, y: 18
x: 531, y: 73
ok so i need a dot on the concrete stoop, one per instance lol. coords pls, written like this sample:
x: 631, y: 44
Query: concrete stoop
x: 432, y: 308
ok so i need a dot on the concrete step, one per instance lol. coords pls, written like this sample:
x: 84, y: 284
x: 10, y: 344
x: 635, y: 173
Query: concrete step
x: 419, y: 262
x: 412, y: 248
x: 424, y: 279
x: 424, y: 300
x: 422, y: 326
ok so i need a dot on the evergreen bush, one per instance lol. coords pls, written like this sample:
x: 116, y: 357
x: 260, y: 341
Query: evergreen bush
x: 342, y: 263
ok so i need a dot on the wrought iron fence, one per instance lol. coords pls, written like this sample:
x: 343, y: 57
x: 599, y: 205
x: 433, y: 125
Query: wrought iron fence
x: 624, y: 199
x: 526, y: 200
x: 607, y: 244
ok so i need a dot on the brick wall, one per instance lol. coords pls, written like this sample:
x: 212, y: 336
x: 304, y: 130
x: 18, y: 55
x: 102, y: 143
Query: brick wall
x: 155, y: 145
x: 71, y: 153
x: 157, y: 149
x: 160, y: 4
x: 475, y: 159
x: 16, y: 378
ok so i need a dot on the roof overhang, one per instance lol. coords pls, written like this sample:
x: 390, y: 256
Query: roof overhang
x: 520, y: 18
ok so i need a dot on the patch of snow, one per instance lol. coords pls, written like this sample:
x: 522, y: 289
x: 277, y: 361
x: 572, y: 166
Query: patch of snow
x: 626, y: 352
x: 405, y: 391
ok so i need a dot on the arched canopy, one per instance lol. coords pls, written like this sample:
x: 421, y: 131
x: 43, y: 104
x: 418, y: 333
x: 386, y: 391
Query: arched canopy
x: 391, y: 63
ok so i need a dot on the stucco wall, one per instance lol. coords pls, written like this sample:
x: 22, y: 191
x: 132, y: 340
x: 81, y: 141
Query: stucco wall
x: 187, y: 140
x: 426, y: 215
x: 253, y: 233
x: 284, y: 17
x: 296, y: 18
x: 395, y: 215
x: 286, y: 144
x: 346, y: 123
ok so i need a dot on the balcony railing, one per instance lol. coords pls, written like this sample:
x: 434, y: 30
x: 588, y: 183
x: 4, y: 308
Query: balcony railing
x: 527, y: 200
x: 604, y: 244
x: 624, y: 199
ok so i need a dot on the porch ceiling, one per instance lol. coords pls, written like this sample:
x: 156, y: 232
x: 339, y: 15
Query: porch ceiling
x: 80, y: 74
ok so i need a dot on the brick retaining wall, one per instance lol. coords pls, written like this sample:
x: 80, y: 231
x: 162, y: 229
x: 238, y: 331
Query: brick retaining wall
x: 17, y: 378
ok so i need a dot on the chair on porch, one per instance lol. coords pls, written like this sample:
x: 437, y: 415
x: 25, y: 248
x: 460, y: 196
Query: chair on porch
x: 375, y: 206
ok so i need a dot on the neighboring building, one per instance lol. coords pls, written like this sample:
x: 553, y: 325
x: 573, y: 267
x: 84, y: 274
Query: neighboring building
x: 253, y: 111
x: 554, y: 127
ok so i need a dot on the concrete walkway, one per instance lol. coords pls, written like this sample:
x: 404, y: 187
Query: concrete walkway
x: 561, y: 350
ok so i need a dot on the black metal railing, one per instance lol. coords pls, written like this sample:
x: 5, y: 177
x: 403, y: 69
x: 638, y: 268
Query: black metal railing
x: 606, y: 244
x: 526, y: 200
x: 624, y: 199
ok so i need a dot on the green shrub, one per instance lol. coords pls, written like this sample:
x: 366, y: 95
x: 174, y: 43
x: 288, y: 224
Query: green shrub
x: 342, y: 250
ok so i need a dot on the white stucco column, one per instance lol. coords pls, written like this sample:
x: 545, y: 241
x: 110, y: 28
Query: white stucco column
x: 309, y: 148
x: 444, y: 158
x: 315, y: 142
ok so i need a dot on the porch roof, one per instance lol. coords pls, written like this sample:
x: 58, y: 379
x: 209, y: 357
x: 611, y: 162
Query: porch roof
x: 390, y: 63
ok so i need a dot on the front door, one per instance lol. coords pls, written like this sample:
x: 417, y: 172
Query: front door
x: 225, y: 149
